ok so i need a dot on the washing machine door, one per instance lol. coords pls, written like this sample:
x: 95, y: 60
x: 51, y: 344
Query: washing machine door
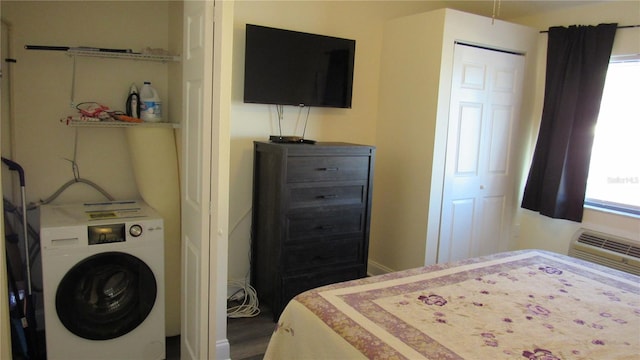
x: 106, y: 295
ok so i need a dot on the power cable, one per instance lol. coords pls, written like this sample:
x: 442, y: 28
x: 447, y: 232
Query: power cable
x: 249, y: 306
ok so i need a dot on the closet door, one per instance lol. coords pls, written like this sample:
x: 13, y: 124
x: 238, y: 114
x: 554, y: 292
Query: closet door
x: 195, y: 178
x: 207, y: 59
x: 479, y: 182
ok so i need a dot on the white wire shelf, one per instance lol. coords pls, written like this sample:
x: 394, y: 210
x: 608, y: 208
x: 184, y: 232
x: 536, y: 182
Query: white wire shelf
x: 126, y: 56
x: 115, y: 124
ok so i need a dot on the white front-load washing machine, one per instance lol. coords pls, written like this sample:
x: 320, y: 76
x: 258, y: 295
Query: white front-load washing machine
x: 103, y: 280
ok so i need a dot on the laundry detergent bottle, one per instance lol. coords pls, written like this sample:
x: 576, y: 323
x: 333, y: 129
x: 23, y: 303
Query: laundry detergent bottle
x: 150, y: 104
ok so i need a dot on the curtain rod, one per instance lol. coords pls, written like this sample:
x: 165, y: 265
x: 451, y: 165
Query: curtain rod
x: 619, y: 27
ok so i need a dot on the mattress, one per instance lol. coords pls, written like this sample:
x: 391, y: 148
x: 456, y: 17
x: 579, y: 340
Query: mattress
x: 527, y: 304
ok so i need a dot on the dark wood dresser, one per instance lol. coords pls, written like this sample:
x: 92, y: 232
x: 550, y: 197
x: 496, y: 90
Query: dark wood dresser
x: 311, y: 217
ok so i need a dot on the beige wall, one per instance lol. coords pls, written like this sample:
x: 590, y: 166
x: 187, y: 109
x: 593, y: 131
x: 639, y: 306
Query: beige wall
x: 41, y: 94
x: 414, y: 103
x: 5, y: 339
x: 364, y: 21
x: 359, y: 20
x: 42, y: 88
x: 537, y: 231
x: 408, y: 109
x: 43, y: 83
x: 5, y: 329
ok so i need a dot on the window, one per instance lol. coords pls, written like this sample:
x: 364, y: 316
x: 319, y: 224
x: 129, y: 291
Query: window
x: 614, y: 173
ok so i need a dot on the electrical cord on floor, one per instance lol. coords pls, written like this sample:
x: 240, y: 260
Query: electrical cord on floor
x: 248, y: 306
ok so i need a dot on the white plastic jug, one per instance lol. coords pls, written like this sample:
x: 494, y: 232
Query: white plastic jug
x: 150, y: 104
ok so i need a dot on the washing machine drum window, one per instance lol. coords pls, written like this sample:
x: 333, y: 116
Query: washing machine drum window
x: 106, y: 296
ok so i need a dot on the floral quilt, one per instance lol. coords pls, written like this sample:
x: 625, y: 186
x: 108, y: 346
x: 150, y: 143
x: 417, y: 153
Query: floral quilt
x: 518, y: 305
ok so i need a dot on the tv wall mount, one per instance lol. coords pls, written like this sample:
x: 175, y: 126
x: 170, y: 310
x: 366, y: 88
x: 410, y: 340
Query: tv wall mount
x: 290, y: 140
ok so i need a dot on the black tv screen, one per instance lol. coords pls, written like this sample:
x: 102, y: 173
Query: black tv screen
x: 287, y: 67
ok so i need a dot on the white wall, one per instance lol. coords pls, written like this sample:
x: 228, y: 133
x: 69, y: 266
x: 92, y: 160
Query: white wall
x: 535, y: 230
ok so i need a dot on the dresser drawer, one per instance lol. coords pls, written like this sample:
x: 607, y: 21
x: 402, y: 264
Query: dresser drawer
x: 327, y: 195
x: 310, y: 217
x: 292, y: 286
x: 304, y: 226
x: 323, y: 254
x: 327, y: 168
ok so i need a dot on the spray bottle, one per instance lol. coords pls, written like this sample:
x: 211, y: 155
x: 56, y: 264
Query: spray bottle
x: 133, y: 102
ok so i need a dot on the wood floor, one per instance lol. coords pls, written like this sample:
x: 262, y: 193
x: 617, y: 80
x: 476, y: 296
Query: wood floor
x: 248, y: 337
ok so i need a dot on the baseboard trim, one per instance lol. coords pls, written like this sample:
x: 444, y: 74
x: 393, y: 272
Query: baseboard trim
x: 374, y: 268
x: 223, y: 349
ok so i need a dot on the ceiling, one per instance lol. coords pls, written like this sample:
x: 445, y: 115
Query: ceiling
x: 509, y: 9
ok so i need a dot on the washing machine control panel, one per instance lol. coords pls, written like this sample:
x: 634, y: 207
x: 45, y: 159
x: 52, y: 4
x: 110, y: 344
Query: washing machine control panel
x: 135, y: 230
x: 113, y: 225
x: 106, y: 234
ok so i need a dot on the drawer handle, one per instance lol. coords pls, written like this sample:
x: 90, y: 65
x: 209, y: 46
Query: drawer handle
x: 329, y: 169
x: 331, y: 196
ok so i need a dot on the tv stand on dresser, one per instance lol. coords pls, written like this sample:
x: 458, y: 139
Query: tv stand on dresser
x: 311, y: 217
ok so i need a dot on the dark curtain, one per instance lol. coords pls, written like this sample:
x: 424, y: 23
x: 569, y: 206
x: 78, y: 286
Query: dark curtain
x: 577, y: 61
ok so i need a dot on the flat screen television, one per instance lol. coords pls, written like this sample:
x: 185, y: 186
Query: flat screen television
x: 285, y: 67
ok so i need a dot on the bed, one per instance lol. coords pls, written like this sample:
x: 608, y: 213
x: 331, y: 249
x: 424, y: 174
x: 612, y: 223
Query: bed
x: 527, y: 304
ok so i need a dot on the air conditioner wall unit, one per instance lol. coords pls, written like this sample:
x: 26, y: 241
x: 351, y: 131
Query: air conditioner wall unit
x: 605, y: 249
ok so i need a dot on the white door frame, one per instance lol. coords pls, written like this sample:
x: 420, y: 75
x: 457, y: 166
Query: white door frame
x: 220, y: 166
x: 207, y: 59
